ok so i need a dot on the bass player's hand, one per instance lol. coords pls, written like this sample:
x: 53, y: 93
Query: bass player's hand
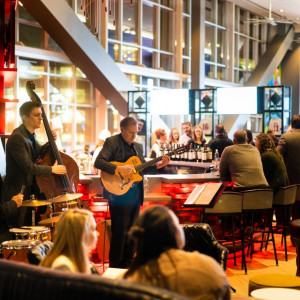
x: 59, y: 169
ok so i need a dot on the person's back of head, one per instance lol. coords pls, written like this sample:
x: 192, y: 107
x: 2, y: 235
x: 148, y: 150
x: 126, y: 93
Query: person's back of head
x: 71, y: 239
x: 240, y: 137
x: 220, y: 130
x: 154, y: 232
x: 295, y: 122
x: 249, y: 136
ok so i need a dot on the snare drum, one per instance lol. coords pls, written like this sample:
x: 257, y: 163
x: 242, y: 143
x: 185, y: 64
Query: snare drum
x: 16, y: 250
x: 23, y: 234
x: 41, y: 233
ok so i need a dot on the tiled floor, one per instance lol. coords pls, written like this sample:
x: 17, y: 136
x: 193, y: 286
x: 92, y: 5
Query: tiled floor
x: 262, y: 262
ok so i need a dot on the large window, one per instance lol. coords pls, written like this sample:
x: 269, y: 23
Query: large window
x: 215, y: 42
x: 249, y: 44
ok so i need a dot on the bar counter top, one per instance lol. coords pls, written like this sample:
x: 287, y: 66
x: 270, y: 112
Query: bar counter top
x: 185, y: 178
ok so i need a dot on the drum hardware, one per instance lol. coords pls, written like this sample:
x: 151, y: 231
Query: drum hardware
x: 34, y: 203
x: 41, y: 233
x: 16, y: 250
x: 51, y: 220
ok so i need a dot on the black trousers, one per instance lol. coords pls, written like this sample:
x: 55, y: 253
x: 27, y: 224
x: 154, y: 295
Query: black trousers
x: 123, y: 211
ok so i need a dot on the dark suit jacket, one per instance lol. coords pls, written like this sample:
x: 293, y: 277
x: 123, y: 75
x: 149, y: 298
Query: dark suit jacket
x: 8, y: 209
x: 19, y: 166
x: 289, y: 147
x: 114, y: 150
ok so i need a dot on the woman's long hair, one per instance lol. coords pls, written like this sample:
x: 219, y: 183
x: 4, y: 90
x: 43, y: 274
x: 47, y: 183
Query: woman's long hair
x: 266, y: 143
x: 70, y: 239
x: 153, y: 233
x: 202, y: 137
x: 172, y: 140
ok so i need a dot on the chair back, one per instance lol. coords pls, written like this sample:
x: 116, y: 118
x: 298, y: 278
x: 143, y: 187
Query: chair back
x: 298, y: 193
x: 199, y: 237
x: 286, y: 195
x: 228, y: 203
x: 257, y: 199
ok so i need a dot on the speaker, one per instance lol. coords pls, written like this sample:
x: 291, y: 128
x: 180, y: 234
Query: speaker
x: 103, y: 243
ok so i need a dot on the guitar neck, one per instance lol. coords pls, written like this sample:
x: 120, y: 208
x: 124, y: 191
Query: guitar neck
x: 156, y: 160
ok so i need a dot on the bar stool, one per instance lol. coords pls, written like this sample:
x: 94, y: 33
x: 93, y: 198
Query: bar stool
x: 284, y: 199
x: 254, y: 201
x: 295, y: 235
x: 296, y: 207
x: 228, y: 205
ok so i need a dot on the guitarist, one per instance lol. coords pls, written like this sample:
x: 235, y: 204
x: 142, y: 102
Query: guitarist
x: 124, y: 208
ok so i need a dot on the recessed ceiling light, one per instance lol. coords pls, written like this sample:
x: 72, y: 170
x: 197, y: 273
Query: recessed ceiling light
x: 281, y: 10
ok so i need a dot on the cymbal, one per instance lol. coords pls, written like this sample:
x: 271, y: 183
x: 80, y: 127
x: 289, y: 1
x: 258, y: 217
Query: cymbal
x: 34, y: 203
x: 49, y: 220
x: 65, y: 198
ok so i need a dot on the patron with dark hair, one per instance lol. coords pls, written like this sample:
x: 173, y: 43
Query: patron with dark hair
x: 241, y: 164
x: 187, y: 135
x: 159, y: 260
x: 221, y: 141
x: 273, y: 165
x: 250, y: 137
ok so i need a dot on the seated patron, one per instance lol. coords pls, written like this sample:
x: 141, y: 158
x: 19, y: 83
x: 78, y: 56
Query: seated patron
x: 160, y: 262
x: 220, y: 141
x: 273, y: 136
x: 272, y: 161
x: 241, y: 164
x: 76, y: 236
x: 250, y: 137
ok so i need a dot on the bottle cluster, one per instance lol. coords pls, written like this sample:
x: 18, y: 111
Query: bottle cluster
x: 195, y: 153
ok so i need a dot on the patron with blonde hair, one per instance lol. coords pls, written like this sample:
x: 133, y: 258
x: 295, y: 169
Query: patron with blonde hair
x: 198, y: 136
x: 173, y: 137
x: 76, y: 236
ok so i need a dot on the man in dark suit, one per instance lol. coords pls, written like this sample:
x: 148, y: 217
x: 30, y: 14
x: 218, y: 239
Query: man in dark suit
x: 289, y: 147
x: 125, y: 208
x: 221, y: 141
x: 22, y: 150
x: 8, y: 209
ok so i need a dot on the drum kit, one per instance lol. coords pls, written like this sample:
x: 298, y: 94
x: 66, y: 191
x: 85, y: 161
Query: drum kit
x: 27, y: 237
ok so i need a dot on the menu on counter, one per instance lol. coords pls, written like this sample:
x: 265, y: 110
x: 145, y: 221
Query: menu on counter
x: 203, y: 194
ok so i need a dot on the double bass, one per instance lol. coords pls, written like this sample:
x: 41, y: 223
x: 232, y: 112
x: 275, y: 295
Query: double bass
x: 55, y: 185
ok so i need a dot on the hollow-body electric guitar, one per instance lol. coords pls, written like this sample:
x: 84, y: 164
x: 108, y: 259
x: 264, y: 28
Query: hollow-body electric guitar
x: 119, y: 183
